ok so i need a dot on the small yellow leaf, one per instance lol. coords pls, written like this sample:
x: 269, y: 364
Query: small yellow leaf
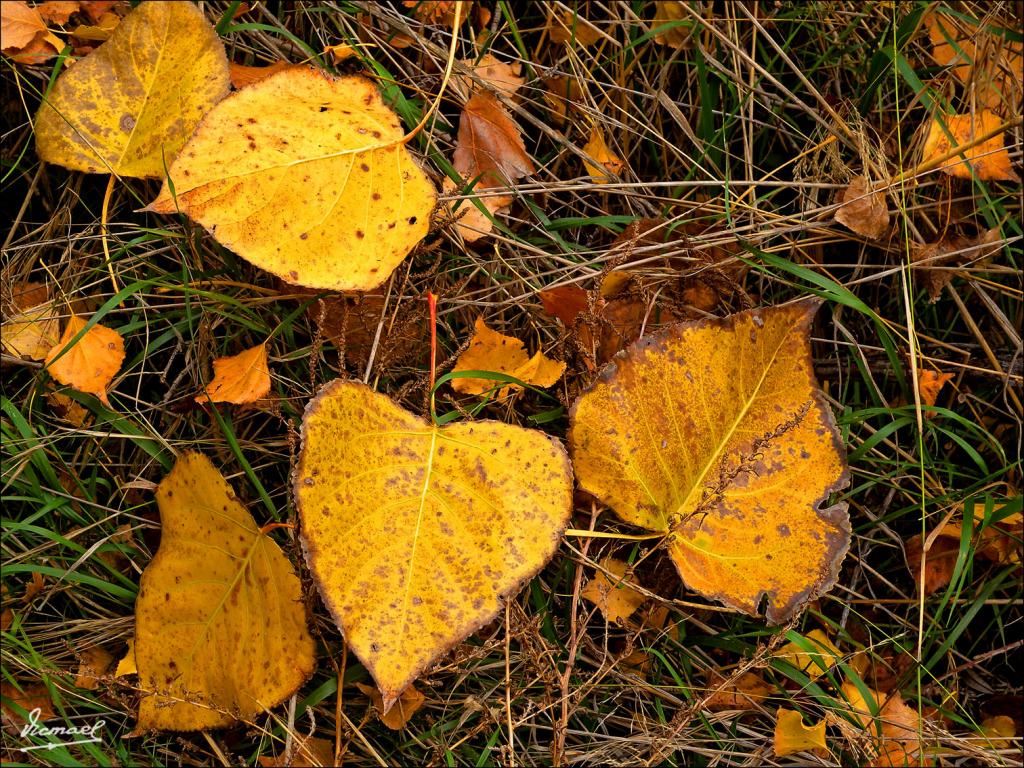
x: 493, y: 351
x: 33, y: 327
x: 792, y: 736
x: 91, y: 363
x: 672, y: 12
x: 989, y: 160
x: 863, y: 211
x: 414, y: 533
x: 339, y: 52
x: 241, y: 378
x: 1000, y: 730
x: 128, y: 107
x: 126, y: 665
x: 599, y: 150
x: 401, y: 712
x: 616, y: 599
x: 304, y: 175
x: 220, y: 625
x: 715, y: 432
x: 821, y: 656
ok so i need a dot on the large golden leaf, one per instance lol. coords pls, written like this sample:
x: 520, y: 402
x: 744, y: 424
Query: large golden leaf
x: 303, y: 175
x: 415, y: 533
x: 128, y: 107
x: 715, y: 432
x: 220, y: 626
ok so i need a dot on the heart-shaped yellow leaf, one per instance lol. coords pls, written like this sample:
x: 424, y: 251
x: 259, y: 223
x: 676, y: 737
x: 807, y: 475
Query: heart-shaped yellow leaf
x: 415, y: 533
x: 715, y: 432
x: 241, y: 378
x: 220, y: 626
x: 304, y: 175
x: 128, y: 107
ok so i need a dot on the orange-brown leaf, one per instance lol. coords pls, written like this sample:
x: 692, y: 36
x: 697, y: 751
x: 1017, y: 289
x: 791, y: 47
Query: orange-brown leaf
x: 610, y: 163
x: 716, y: 432
x: 242, y: 75
x: 90, y: 364
x: 490, y: 146
x: 339, y: 52
x: 32, y: 328
x: 989, y: 159
x: 864, y: 211
x: 930, y: 383
x: 493, y: 351
x: 93, y: 663
x: 401, y: 711
x: 993, y: 64
x: 747, y: 691
x: 614, y: 596
x: 306, y: 751
x: 19, y: 24
x: 503, y: 77
x: 29, y: 698
x: 672, y: 12
x: 57, y: 11
x: 933, y: 260
x: 241, y: 378
x: 567, y: 26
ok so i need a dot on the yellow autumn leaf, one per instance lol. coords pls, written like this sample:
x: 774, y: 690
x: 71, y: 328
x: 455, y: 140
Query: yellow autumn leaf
x: 304, y: 175
x: 815, y: 655
x: 989, y: 159
x: 241, y: 378
x: 220, y: 625
x: 715, y: 432
x: 492, y: 351
x: 414, y: 533
x: 129, y: 106
x: 1000, y: 731
x: 33, y: 327
x: 126, y: 665
x: 615, y: 597
x: 401, y: 712
x: 89, y: 364
x: 597, y: 148
x: 792, y: 736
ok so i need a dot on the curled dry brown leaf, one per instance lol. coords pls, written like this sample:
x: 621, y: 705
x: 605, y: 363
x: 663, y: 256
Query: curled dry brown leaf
x: 863, y: 211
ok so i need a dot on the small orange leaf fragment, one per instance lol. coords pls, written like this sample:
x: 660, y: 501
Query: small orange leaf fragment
x: 241, y: 378
x: 792, y: 736
x: 929, y: 384
x: 597, y: 148
x: 339, y: 52
x: 568, y: 27
x: 91, y: 363
x: 863, y: 211
x: 29, y: 698
x: 57, y: 11
x: 989, y: 160
x: 126, y: 665
x: 242, y: 75
x: 401, y: 711
x: 745, y: 692
x: 615, y: 597
x: 306, y: 751
x: 493, y: 351
x: 93, y: 663
x: 672, y: 12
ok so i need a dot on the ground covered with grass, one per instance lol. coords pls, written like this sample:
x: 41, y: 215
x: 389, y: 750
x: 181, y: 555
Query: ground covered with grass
x: 735, y: 129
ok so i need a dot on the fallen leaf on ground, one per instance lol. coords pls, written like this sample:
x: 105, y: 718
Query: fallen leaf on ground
x: 492, y: 351
x: 989, y: 160
x: 33, y: 327
x: 93, y: 663
x: 95, y: 9
x: 68, y: 409
x: 220, y: 623
x: 91, y: 363
x: 674, y: 12
x: 320, y: 192
x: 863, y: 211
x: 305, y: 751
x: 128, y: 107
x: 637, y: 662
x: 472, y: 223
x: 1000, y: 730
x: 929, y: 384
x: 57, y: 11
x: 489, y: 147
x: 401, y: 712
x: 940, y: 561
x: 26, y: 38
x: 569, y: 27
x: 815, y: 656
x: 993, y: 63
x: 98, y: 32
x: 560, y: 94
x: 241, y: 378
x: 611, y: 164
x: 792, y: 736
x: 715, y: 432
x: 439, y: 11
x: 505, y: 78
x: 242, y: 75
x: 932, y: 260
x: 893, y: 730
x: 126, y: 665
x: 615, y: 597
x: 748, y: 691
x: 339, y: 52
x: 414, y: 533
x: 29, y: 698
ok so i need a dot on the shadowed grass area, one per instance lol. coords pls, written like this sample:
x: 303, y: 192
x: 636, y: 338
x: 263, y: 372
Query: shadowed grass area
x: 740, y: 134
